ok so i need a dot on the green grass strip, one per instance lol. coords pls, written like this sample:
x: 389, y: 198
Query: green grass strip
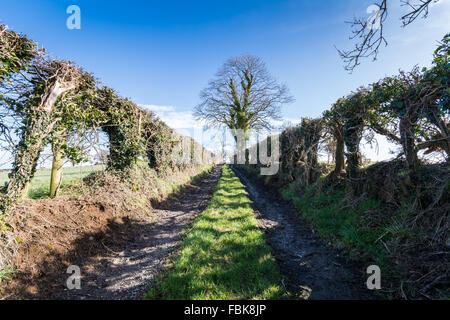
x: 224, y: 255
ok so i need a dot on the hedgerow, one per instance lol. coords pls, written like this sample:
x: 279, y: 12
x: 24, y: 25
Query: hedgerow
x: 411, y: 193
x: 47, y: 101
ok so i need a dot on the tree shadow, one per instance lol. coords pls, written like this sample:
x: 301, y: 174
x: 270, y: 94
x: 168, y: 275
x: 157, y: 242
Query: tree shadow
x: 120, y: 260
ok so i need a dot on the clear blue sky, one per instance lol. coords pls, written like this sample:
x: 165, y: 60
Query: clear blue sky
x: 164, y: 52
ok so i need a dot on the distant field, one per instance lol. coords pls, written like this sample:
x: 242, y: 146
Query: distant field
x: 40, y: 185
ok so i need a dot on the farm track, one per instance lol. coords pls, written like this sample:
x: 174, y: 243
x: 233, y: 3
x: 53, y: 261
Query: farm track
x: 127, y: 271
x: 312, y: 270
x: 125, y: 268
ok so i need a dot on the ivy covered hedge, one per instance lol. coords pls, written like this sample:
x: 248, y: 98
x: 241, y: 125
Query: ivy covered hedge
x: 45, y: 101
x: 411, y: 109
x: 409, y: 196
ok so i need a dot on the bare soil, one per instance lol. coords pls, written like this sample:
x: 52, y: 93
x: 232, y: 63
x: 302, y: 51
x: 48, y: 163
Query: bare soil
x: 312, y: 269
x: 118, y: 256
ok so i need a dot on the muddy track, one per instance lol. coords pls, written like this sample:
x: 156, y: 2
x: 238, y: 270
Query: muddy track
x: 126, y: 272
x: 310, y: 267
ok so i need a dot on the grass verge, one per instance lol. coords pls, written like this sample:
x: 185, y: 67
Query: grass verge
x: 224, y: 255
x: 341, y: 224
x: 347, y: 227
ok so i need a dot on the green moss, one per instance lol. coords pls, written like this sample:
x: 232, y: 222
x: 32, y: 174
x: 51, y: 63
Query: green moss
x: 6, y: 272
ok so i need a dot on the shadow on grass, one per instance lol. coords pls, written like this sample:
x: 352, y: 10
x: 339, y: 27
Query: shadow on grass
x: 224, y: 255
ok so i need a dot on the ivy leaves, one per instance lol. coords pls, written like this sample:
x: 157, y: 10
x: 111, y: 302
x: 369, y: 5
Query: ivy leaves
x: 16, y: 51
x: 418, y: 100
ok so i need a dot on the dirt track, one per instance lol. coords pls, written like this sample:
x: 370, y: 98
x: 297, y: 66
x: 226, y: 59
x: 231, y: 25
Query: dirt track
x: 127, y: 273
x: 128, y: 259
x: 310, y: 267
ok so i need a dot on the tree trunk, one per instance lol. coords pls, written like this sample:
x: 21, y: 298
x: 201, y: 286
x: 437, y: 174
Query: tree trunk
x: 352, y: 139
x: 25, y: 191
x: 312, y: 162
x: 29, y: 150
x: 57, y: 172
x: 444, y: 128
x: 406, y: 127
x: 241, y: 147
x: 408, y: 145
x: 339, y: 156
x: 34, y: 138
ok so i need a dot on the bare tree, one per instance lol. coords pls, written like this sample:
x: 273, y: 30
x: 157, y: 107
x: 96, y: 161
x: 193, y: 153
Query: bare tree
x: 370, y: 33
x: 243, y: 96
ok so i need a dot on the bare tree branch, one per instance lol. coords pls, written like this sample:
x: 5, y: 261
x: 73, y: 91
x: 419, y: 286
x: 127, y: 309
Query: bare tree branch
x: 417, y: 9
x: 370, y: 33
x: 242, y: 96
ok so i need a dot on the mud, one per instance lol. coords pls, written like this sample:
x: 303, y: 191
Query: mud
x: 312, y: 270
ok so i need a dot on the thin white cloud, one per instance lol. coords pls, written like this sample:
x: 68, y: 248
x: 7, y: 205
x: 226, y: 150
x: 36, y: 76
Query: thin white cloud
x: 285, y: 123
x: 174, y: 119
x: 181, y: 120
x: 156, y: 108
x: 439, y: 3
x: 435, y: 25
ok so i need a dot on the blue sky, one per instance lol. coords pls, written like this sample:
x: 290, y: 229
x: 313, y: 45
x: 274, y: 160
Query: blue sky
x: 162, y: 53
